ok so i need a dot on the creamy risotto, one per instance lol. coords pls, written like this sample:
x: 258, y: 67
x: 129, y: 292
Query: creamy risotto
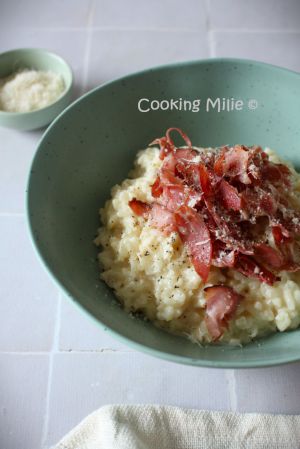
x: 152, y: 273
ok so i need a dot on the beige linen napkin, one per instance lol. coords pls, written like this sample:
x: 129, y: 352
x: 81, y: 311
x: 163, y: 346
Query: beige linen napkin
x: 156, y: 427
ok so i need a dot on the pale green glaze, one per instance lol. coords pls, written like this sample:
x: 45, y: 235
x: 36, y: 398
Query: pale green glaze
x: 91, y: 147
x: 33, y: 58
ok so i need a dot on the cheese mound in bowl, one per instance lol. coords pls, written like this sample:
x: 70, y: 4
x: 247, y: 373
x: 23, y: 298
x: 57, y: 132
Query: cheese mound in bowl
x: 205, y: 242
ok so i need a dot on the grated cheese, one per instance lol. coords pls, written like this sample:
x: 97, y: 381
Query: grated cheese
x: 28, y: 90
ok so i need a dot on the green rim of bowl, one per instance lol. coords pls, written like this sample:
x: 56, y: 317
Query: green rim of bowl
x: 67, y: 90
x: 140, y: 347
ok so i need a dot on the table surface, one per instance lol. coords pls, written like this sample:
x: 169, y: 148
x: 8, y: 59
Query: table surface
x: 56, y: 365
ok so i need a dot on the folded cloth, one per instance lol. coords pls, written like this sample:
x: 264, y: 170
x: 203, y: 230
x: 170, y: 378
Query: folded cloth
x: 156, y: 427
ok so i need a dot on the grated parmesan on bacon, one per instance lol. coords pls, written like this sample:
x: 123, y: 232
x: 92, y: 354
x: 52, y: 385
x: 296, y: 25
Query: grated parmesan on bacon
x: 224, y: 203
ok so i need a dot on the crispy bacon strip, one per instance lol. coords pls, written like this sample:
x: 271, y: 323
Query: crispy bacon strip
x: 157, y: 188
x: 250, y: 268
x: 280, y: 234
x: 195, y: 235
x: 276, y: 173
x: 166, y: 144
x: 139, y: 207
x: 161, y: 218
x: 233, y: 162
x: 229, y: 196
x: 221, y: 304
x: 269, y: 256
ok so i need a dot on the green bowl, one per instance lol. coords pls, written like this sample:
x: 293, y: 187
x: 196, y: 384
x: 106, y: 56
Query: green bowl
x: 34, y: 58
x: 91, y: 146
